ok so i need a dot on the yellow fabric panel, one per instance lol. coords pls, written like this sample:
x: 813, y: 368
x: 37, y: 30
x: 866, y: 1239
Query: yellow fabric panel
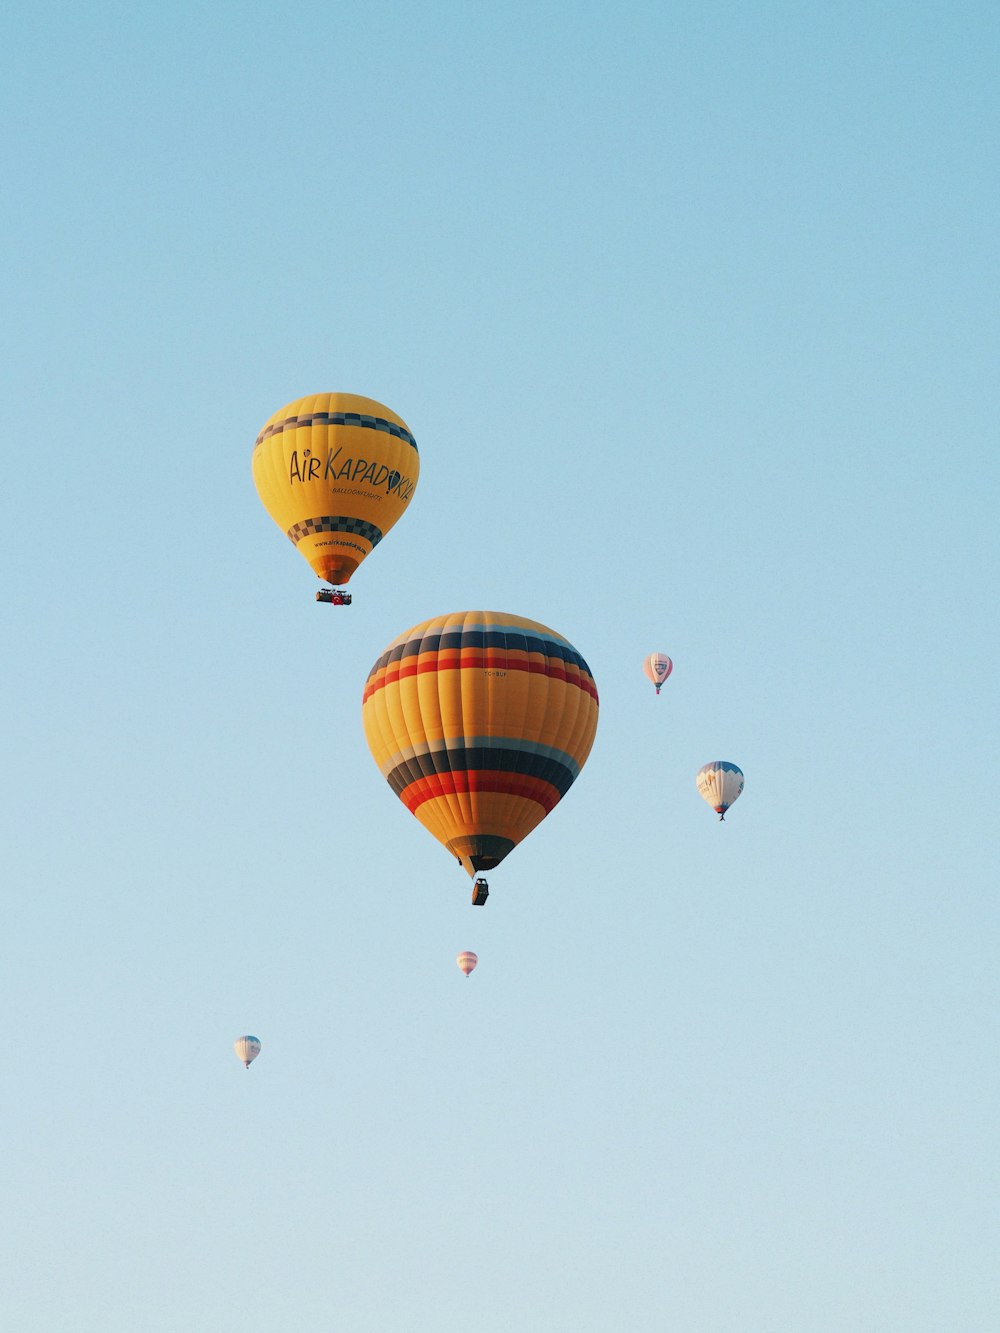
x: 505, y: 816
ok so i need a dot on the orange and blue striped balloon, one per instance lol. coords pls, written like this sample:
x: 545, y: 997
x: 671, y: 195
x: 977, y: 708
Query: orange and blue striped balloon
x: 480, y: 722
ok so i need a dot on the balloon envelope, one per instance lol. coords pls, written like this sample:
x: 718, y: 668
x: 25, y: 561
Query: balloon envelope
x: 467, y: 961
x: 335, y: 471
x: 657, y: 667
x: 719, y: 783
x: 480, y: 722
x: 247, y: 1048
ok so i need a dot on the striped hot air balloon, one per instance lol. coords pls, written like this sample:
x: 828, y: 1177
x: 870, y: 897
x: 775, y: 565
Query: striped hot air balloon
x: 480, y: 722
x: 467, y: 961
x: 719, y: 783
x: 657, y: 667
x: 247, y: 1048
x: 335, y: 471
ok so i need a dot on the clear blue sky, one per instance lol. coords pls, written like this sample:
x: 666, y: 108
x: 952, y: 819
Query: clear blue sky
x: 693, y: 311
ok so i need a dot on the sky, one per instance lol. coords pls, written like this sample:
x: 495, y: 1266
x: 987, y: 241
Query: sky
x: 692, y: 310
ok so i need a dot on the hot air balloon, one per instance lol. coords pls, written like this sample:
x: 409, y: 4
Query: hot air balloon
x: 335, y: 471
x: 657, y: 667
x: 719, y: 783
x: 480, y: 722
x: 467, y: 961
x: 247, y: 1048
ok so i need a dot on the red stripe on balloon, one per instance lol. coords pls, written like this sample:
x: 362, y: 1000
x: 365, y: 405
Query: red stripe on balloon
x: 485, y: 659
x: 506, y: 784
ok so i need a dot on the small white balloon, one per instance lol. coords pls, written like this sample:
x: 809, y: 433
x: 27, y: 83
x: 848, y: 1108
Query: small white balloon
x: 719, y: 783
x: 657, y: 667
x: 247, y: 1048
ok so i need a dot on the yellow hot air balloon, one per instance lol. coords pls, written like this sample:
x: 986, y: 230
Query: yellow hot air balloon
x: 480, y: 722
x: 335, y: 471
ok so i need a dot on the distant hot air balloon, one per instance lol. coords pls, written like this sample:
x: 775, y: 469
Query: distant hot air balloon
x: 480, y: 722
x: 467, y: 961
x: 657, y: 667
x: 719, y: 783
x: 247, y: 1048
x: 335, y: 471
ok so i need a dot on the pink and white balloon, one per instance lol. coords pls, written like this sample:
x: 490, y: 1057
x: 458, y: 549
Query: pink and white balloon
x: 719, y: 783
x: 467, y: 961
x: 657, y: 667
